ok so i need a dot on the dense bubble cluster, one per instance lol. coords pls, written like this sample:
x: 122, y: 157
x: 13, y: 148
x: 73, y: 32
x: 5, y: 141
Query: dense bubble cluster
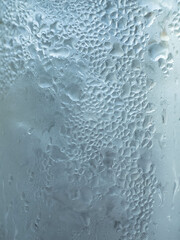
x: 159, y: 20
x: 174, y: 25
x: 76, y: 70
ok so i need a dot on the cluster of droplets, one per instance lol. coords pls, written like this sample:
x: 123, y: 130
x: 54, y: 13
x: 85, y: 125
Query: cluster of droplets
x: 159, y: 25
x: 86, y: 58
x: 166, y: 65
x: 13, y: 17
x: 174, y: 25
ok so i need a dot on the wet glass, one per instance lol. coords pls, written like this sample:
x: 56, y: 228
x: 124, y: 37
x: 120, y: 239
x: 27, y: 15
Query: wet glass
x: 89, y: 120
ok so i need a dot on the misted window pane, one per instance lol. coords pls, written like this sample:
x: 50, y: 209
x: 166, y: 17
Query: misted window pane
x: 89, y: 120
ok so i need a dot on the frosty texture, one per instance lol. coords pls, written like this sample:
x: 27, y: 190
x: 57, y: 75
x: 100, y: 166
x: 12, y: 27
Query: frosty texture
x: 77, y: 159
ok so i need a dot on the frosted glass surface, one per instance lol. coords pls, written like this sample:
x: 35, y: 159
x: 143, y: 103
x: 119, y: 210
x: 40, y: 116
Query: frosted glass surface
x: 89, y: 120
